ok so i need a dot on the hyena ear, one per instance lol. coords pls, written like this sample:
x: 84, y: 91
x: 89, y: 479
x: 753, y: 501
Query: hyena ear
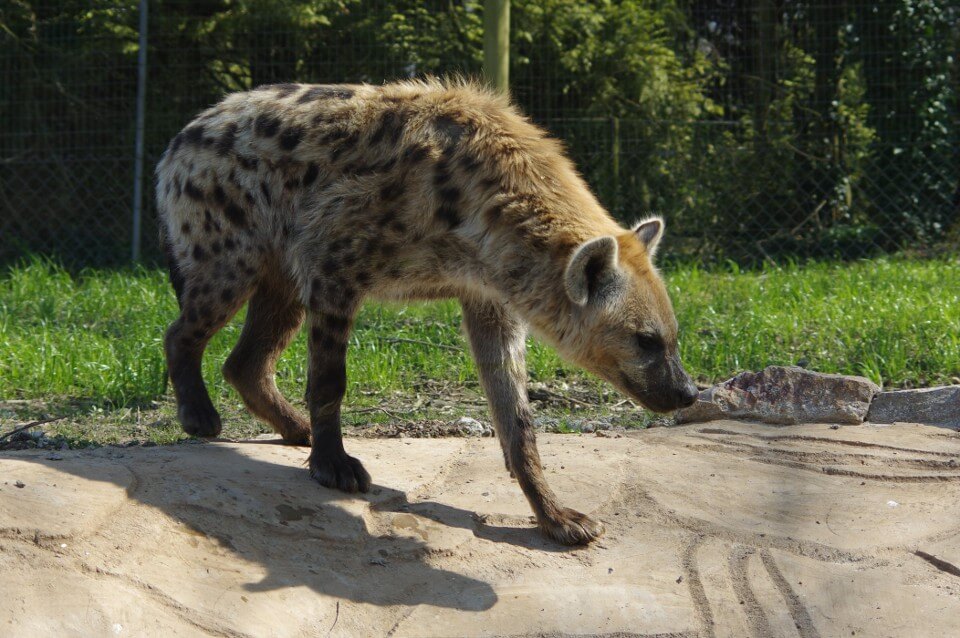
x: 649, y: 232
x: 591, y: 263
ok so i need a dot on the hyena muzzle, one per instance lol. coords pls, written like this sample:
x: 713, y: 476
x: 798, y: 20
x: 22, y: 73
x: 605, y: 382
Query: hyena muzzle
x: 302, y: 200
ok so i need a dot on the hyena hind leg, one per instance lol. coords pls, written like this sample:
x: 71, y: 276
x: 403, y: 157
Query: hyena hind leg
x: 330, y: 465
x: 274, y: 317
x: 206, y: 308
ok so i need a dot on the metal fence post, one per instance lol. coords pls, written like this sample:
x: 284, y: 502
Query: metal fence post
x: 138, y: 152
x: 496, y: 43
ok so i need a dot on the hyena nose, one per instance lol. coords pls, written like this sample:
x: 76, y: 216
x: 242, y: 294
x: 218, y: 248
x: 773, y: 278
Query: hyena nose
x: 688, y: 394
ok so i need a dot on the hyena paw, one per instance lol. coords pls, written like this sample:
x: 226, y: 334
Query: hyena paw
x: 572, y: 528
x: 341, y: 472
x: 199, y: 420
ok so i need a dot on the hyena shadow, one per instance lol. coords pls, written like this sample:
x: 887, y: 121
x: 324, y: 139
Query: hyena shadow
x: 372, y: 548
x: 279, y: 523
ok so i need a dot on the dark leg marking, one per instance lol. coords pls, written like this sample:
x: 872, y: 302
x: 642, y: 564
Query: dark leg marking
x: 330, y: 465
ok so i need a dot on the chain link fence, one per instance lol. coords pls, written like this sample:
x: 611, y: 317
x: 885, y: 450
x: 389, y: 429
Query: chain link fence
x: 762, y: 130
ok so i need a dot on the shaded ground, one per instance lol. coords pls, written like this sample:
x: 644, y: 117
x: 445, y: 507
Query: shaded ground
x: 730, y: 529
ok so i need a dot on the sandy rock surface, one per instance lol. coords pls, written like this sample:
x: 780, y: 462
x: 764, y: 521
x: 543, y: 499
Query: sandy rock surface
x: 724, y: 529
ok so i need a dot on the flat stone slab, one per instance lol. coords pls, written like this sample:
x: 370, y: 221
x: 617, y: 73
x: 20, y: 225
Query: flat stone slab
x: 930, y: 406
x: 726, y: 529
x: 784, y: 395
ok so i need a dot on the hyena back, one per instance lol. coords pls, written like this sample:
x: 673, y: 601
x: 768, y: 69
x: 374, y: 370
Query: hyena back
x: 301, y: 200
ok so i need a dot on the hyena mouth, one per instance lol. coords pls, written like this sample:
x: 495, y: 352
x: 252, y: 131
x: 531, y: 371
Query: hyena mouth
x: 642, y: 395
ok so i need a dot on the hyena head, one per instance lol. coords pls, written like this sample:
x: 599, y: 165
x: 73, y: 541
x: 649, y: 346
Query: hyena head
x: 627, y: 332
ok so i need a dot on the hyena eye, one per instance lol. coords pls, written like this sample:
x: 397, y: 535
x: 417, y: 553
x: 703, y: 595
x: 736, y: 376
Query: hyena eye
x: 649, y: 342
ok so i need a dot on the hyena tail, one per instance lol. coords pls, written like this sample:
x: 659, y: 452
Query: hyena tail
x: 176, y: 274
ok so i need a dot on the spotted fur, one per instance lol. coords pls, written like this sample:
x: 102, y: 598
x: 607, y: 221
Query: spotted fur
x: 302, y: 200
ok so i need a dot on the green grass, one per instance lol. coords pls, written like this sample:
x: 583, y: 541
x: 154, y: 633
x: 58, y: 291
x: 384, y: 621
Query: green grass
x: 98, y: 336
x: 895, y: 321
x: 93, y: 340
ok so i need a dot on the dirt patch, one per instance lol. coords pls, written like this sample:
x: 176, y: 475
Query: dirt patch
x: 728, y: 530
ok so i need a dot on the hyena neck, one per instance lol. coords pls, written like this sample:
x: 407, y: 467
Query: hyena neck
x: 528, y: 261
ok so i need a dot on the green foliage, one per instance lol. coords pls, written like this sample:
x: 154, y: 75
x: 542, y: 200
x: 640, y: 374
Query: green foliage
x: 611, y: 58
x: 615, y: 83
x: 917, y: 109
x: 761, y: 129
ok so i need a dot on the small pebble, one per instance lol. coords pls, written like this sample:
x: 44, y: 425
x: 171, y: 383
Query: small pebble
x: 472, y: 427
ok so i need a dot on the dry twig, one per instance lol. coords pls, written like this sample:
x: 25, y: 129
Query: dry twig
x: 30, y: 425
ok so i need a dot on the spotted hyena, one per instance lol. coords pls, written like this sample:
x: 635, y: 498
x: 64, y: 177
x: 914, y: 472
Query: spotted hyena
x: 302, y: 200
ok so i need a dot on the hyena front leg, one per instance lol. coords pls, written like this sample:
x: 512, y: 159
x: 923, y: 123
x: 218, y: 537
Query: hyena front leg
x: 326, y: 385
x: 497, y: 338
